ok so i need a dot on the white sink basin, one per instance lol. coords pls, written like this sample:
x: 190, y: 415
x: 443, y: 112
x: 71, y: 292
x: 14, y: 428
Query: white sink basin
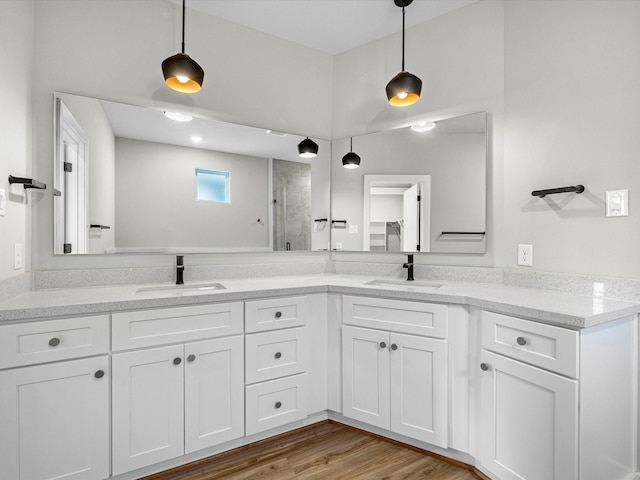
x: 186, y: 289
x: 405, y: 283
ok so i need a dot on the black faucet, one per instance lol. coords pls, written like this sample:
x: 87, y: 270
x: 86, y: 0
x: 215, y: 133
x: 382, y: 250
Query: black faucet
x: 409, y: 266
x: 179, y: 270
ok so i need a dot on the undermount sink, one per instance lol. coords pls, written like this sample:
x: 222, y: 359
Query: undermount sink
x: 405, y: 283
x: 187, y: 288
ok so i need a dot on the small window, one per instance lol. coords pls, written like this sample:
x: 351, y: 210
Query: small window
x: 212, y: 186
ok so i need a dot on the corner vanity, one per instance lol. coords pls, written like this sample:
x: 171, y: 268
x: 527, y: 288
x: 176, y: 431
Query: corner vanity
x: 123, y: 381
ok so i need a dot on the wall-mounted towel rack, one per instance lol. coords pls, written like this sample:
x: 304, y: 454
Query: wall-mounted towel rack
x: 549, y: 191
x: 463, y: 233
x: 27, y: 182
x: 101, y: 227
x: 341, y: 223
x: 320, y: 220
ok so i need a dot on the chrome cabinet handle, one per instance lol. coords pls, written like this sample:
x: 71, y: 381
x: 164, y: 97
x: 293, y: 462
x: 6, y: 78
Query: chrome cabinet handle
x: 383, y: 345
x: 191, y: 358
x: 177, y: 361
x: 394, y: 346
x: 484, y: 367
x: 277, y: 355
x: 54, y: 342
x: 278, y: 404
x: 521, y: 341
x: 99, y: 374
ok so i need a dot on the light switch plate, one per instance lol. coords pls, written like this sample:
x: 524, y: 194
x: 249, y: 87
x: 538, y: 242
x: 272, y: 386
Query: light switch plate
x: 353, y: 229
x: 3, y: 202
x: 618, y: 203
x: 525, y: 255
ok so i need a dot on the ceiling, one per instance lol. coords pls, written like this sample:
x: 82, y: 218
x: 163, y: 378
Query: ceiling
x: 330, y: 26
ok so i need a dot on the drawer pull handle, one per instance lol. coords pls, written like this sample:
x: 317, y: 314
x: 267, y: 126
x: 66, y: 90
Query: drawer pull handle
x: 394, y: 346
x: 99, y: 374
x: 521, y: 341
x: 484, y: 367
x: 278, y: 355
x: 54, y: 342
x: 383, y: 345
x: 278, y: 314
x: 191, y: 358
x: 278, y: 404
x: 177, y: 361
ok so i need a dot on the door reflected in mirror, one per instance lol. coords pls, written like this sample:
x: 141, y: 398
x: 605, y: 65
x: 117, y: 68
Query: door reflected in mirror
x: 126, y: 180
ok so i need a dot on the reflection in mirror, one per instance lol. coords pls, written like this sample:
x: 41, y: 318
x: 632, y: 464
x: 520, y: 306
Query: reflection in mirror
x: 449, y: 164
x: 129, y: 179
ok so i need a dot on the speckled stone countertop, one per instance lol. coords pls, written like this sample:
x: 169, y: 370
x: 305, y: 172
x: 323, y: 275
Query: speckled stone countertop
x: 563, y: 309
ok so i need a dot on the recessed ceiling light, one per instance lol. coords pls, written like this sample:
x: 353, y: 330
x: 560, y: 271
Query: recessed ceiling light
x: 178, y: 117
x: 423, y: 126
x: 277, y: 133
x: 196, y: 139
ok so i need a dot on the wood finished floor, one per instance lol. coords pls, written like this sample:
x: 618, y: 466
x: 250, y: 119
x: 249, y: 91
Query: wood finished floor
x: 324, y: 452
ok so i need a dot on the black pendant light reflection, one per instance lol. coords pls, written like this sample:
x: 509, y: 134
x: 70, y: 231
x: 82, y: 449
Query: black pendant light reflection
x: 351, y: 159
x: 404, y: 89
x: 181, y: 72
x: 307, y: 148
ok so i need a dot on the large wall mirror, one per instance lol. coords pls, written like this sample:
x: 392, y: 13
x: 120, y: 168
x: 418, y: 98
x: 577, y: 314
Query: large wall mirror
x: 130, y: 179
x: 414, y: 191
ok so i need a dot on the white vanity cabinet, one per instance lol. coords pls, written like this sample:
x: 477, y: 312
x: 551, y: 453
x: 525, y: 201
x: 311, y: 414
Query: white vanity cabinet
x: 557, y: 404
x: 183, y: 394
x: 54, y: 417
x: 276, y: 346
x: 394, y: 375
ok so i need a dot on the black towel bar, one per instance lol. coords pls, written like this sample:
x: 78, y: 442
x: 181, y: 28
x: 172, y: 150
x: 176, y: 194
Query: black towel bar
x: 549, y: 191
x: 27, y: 182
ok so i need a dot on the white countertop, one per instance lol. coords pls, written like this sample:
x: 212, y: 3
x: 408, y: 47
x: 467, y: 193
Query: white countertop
x: 567, y: 310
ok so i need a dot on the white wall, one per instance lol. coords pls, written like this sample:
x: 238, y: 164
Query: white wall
x: 572, y: 116
x: 156, y: 203
x: 16, y: 55
x: 113, y: 49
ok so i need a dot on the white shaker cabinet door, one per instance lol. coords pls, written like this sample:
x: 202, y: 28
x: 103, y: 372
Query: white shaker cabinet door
x: 419, y: 388
x: 365, y: 371
x: 148, y: 407
x: 214, y: 392
x: 54, y: 421
x: 529, y: 421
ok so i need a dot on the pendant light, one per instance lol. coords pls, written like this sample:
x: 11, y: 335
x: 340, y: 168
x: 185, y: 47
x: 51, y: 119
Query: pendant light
x: 404, y: 89
x: 307, y: 148
x: 351, y: 159
x: 181, y: 72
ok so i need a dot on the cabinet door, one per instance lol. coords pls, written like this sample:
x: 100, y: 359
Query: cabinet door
x: 365, y: 375
x: 148, y: 407
x: 214, y: 392
x: 54, y: 421
x: 529, y: 421
x: 419, y: 388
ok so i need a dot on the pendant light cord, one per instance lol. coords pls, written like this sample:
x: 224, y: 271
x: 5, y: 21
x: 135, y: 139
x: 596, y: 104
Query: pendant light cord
x: 402, y: 36
x: 183, y: 10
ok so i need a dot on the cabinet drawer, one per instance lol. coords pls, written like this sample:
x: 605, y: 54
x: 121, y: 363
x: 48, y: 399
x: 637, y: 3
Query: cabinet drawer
x: 51, y: 340
x: 545, y: 346
x: 145, y: 328
x: 274, y: 313
x: 275, y: 354
x: 416, y: 318
x: 275, y: 403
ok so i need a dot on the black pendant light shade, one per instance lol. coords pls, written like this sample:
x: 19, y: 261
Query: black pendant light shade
x: 351, y: 159
x: 404, y: 89
x: 307, y: 148
x: 181, y: 72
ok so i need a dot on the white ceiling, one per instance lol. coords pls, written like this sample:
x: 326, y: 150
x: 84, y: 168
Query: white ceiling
x: 331, y: 26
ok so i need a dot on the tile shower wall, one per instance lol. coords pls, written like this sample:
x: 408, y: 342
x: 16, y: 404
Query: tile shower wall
x: 292, y: 205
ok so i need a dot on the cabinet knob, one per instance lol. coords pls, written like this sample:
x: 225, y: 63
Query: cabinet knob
x: 521, y: 341
x: 99, y: 374
x: 383, y: 345
x: 278, y: 314
x: 177, y: 361
x: 54, y: 342
x: 278, y: 355
x: 278, y: 404
x: 191, y: 358
x: 484, y: 367
x: 394, y: 346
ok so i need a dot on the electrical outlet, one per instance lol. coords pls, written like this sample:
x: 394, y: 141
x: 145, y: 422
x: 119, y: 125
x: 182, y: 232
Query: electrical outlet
x: 525, y: 255
x: 17, y: 256
x: 3, y: 202
x: 338, y: 245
